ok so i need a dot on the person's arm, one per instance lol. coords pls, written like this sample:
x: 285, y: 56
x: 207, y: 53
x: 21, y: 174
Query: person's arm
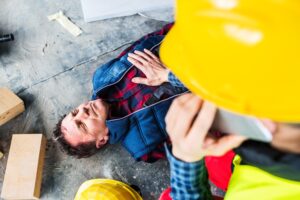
x: 185, y: 178
x: 187, y: 123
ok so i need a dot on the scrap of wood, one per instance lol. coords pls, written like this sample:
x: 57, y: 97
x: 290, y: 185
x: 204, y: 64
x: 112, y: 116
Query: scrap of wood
x: 66, y: 23
x: 1, y: 155
x: 10, y: 105
x: 23, y: 174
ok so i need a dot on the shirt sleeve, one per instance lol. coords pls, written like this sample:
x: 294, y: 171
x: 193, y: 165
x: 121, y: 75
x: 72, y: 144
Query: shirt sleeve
x: 185, y: 178
x: 174, y: 80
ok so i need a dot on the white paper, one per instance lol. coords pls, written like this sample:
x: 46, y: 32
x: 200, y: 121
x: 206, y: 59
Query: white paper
x: 103, y: 9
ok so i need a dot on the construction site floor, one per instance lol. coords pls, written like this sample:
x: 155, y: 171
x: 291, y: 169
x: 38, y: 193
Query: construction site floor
x: 51, y: 70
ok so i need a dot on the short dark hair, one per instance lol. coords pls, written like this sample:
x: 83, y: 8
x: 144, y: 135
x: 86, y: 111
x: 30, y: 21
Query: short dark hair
x: 83, y: 150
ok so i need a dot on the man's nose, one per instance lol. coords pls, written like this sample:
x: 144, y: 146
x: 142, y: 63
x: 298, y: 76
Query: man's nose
x: 83, y: 113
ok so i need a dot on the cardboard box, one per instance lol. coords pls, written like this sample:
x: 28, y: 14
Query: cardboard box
x: 23, y: 175
x: 10, y: 105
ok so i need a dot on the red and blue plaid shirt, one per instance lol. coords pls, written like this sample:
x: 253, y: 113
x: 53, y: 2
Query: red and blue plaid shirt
x: 127, y: 97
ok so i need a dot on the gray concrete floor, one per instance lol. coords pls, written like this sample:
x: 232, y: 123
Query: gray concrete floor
x: 51, y: 71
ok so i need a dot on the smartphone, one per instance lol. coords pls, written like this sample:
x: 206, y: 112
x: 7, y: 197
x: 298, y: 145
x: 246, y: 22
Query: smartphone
x: 231, y: 123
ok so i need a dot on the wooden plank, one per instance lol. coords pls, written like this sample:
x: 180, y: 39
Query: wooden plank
x: 10, y: 105
x: 23, y: 175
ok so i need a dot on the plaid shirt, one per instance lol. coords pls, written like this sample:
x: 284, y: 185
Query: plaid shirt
x: 185, y: 178
x: 127, y: 97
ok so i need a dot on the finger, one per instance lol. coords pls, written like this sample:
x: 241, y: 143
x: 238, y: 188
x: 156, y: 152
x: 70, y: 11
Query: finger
x: 136, y: 63
x: 157, y: 66
x: 169, y: 119
x: 138, y: 58
x: 139, y: 80
x: 151, y: 55
x: 184, y: 116
x: 143, y: 55
x: 224, y: 144
x: 203, y: 122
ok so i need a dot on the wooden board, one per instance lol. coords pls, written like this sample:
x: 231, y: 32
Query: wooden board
x: 23, y: 175
x: 10, y: 105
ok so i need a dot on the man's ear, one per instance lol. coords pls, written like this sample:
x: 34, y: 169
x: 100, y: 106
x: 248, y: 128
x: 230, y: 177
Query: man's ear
x: 102, y: 139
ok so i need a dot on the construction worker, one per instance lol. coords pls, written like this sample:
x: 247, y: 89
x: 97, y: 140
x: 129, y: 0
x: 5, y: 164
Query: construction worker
x: 241, y: 56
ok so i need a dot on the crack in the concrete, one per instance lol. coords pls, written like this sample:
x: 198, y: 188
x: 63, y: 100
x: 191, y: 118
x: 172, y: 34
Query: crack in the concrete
x: 94, y: 58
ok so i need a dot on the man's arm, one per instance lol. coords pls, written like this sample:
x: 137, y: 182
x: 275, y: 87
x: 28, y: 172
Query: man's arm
x: 185, y: 178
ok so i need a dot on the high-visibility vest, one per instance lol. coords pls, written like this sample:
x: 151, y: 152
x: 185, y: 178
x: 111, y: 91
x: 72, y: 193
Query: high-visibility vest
x: 248, y: 183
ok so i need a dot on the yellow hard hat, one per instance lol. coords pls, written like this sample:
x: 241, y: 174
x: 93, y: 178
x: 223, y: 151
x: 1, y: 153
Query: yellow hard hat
x: 243, y: 55
x: 106, y: 189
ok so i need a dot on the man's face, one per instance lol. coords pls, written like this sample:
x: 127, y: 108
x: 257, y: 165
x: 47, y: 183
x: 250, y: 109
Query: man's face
x: 86, y: 123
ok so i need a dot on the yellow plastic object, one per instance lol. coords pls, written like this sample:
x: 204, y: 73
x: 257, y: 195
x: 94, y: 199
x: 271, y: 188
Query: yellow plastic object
x: 242, y: 55
x: 106, y: 189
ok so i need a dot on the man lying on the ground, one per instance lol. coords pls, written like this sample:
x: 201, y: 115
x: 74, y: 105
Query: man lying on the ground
x: 123, y: 109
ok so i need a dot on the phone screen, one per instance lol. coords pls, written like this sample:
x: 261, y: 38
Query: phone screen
x: 231, y: 123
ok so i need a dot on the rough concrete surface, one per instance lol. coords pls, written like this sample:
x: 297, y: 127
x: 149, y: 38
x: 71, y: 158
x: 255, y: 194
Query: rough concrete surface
x: 51, y: 71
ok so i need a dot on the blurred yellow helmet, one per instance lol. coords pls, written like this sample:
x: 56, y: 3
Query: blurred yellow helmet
x: 106, y: 189
x: 243, y: 55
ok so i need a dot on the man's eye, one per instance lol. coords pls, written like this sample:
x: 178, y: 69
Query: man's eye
x: 74, y: 113
x: 82, y: 126
x: 86, y: 111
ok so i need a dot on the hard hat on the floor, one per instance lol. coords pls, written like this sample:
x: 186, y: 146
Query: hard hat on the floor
x: 242, y: 55
x: 106, y: 189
